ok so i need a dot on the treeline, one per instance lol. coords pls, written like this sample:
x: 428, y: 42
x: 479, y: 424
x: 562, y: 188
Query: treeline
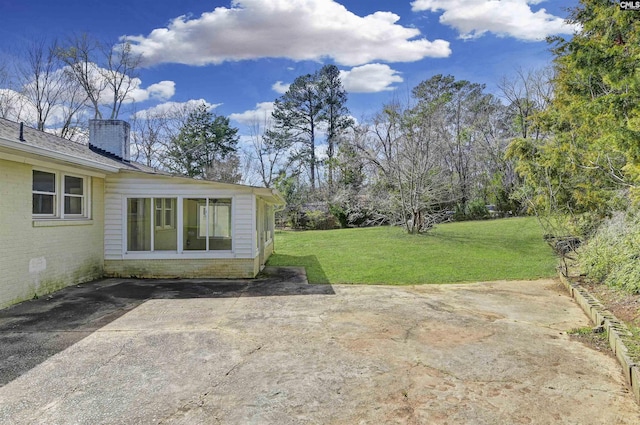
x: 436, y: 156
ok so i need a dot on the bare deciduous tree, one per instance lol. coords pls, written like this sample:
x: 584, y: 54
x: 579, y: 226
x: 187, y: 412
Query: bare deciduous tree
x: 405, y: 148
x: 526, y: 93
x: 270, y: 149
x: 149, y: 136
x: 43, y: 84
x: 79, y: 55
x: 119, y: 71
x: 106, y: 72
x: 8, y: 96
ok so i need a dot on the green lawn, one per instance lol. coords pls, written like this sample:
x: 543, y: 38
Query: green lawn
x: 507, y: 249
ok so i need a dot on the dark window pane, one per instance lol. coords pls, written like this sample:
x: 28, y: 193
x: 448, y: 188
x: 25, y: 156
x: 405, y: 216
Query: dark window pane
x: 43, y: 204
x: 44, y: 182
x: 73, y: 185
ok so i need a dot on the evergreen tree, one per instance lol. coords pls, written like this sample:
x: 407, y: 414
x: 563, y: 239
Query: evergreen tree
x: 334, y: 112
x: 594, y: 117
x: 202, y: 144
x: 312, y: 100
x: 297, y: 112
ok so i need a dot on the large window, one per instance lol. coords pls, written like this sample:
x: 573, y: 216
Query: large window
x: 47, y: 201
x: 151, y: 232
x: 207, y: 224
x: 139, y: 224
x: 152, y: 224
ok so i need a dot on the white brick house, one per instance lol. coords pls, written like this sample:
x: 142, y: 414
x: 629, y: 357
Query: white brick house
x: 70, y: 213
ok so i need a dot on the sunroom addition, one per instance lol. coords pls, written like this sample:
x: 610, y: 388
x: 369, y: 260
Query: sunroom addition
x: 193, y: 224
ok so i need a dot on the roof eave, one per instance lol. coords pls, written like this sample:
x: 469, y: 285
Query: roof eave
x: 57, y: 156
x: 273, y: 196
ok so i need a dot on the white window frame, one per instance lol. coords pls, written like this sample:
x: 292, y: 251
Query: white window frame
x: 65, y: 195
x: 40, y: 192
x: 179, y: 223
x: 60, y: 195
x: 209, y: 212
x: 165, y: 224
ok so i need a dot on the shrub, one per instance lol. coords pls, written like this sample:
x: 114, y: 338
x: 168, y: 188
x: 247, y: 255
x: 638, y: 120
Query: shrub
x: 319, y: 220
x: 475, y: 210
x: 340, y: 214
x: 478, y: 210
x: 612, y: 255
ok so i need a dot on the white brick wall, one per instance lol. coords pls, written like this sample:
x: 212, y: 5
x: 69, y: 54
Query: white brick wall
x: 39, y: 257
x: 111, y: 136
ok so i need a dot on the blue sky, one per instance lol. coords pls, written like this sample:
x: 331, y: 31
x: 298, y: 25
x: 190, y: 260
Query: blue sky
x: 241, y: 55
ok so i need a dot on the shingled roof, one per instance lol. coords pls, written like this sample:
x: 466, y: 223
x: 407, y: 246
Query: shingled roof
x: 44, y: 144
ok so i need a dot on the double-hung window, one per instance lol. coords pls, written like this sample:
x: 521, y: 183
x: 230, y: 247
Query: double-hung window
x: 58, y: 195
x: 165, y: 215
x: 73, y: 196
x: 44, y: 194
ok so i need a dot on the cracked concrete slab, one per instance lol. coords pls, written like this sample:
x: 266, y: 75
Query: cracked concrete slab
x: 292, y: 353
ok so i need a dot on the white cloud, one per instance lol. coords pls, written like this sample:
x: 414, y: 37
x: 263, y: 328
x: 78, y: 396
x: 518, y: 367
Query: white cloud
x: 294, y: 29
x: 371, y: 78
x: 15, y: 106
x: 280, y: 87
x: 513, y: 18
x: 163, y: 90
x: 261, y: 114
x: 169, y: 108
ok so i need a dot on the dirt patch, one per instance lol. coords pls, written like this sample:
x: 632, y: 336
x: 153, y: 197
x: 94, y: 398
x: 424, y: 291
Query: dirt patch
x: 592, y: 338
x: 624, y: 306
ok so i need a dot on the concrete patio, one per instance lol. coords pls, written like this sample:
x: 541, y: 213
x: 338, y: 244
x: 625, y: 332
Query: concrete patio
x: 279, y: 351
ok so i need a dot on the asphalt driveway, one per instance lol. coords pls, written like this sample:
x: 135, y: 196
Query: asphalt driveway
x: 279, y: 351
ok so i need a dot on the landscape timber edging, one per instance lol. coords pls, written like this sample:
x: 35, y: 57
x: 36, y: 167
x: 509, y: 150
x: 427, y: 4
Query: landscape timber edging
x: 615, y: 329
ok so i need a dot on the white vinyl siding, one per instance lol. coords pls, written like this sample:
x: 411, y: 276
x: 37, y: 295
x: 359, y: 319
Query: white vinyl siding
x: 113, y: 216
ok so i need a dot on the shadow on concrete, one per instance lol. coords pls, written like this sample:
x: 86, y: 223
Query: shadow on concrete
x: 310, y: 263
x: 33, y: 331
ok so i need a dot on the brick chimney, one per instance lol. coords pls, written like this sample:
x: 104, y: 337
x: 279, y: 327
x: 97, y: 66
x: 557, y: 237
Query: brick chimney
x: 110, y: 137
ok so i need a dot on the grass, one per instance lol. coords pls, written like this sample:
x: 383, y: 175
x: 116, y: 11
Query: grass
x: 508, y: 249
x: 596, y: 340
